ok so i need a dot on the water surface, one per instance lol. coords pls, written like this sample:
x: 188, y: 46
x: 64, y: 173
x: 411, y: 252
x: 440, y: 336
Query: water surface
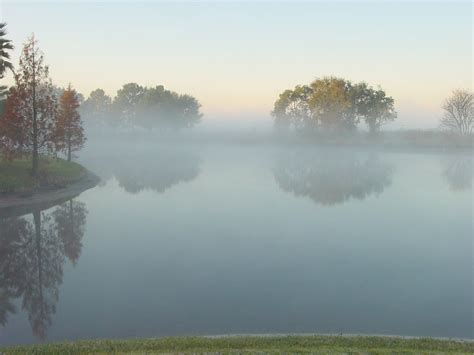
x: 246, y: 239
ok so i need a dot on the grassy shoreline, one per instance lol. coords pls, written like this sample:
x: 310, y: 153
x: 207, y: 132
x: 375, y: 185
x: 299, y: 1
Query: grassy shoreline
x: 327, y: 344
x: 16, y: 178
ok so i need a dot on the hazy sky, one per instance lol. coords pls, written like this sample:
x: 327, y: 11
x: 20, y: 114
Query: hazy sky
x: 236, y: 57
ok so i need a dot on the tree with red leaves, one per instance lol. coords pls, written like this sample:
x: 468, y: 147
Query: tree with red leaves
x: 12, y: 124
x: 28, y: 123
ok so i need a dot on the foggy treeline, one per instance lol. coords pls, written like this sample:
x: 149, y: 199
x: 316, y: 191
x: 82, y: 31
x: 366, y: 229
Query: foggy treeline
x: 40, y: 118
x: 138, y: 106
x: 330, y: 110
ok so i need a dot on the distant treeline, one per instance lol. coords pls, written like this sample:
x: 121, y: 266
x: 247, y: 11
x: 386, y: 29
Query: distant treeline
x: 335, y: 106
x: 37, y: 117
x: 147, y: 107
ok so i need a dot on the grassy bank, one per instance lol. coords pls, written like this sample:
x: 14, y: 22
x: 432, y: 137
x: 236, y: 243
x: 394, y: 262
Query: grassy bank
x: 15, y: 176
x: 253, y: 344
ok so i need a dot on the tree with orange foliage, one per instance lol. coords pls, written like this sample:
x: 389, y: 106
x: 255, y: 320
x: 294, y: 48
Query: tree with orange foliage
x: 69, y: 132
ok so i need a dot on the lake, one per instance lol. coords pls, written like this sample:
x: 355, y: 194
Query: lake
x: 223, y: 239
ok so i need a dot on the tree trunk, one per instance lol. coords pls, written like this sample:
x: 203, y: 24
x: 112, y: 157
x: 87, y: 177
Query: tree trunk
x: 35, y: 149
x: 69, y: 144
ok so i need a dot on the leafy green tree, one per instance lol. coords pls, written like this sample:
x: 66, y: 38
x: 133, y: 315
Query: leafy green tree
x: 373, y: 106
x: 156, y: 107
x: 126, y: 101
x: 333, y: 105
x: 189, y: 111
x: 292, y: 108
x: 97, y: 106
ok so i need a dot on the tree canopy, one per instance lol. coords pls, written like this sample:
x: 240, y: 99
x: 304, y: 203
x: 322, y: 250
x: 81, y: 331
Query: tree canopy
x: 333, y: 104
x: 69, y: 133
x: 31, y: 107
x: 97, y: 106
x: 39, y: 117
x: 147, y: 107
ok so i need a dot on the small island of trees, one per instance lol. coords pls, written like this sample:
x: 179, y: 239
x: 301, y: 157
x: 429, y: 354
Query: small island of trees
x: 333, y: 105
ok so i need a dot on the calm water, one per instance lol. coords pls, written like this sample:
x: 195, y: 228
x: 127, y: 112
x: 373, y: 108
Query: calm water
x: 219, y: 240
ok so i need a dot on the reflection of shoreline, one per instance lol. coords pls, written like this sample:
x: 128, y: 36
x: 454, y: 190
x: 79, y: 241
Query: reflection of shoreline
x: 330, y: 178
x: 33, y: 249
x: 166, y: 171
x: 15, y: 206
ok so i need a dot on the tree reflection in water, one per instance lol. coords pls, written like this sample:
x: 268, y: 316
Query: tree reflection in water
x: 331, y: 178
x: 458, y: 172
x: 158, y: 172
x: 70, y: 220
x: 33, y: 250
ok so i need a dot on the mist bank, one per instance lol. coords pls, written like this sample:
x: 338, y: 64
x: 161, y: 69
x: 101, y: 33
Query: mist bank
x: 246, y: 134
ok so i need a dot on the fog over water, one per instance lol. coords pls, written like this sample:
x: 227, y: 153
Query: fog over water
x: 251, y: 167
x: 191, y: 238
